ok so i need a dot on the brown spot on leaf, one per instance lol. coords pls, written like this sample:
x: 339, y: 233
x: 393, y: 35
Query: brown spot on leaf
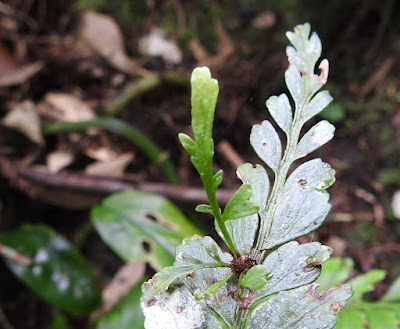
x: 336, y: 307
x: 302, y: 182
x: 151, y: 301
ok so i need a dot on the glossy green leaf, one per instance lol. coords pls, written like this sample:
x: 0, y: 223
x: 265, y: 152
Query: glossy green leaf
x: 240, y: 205
x: 351, y: 318
x: 188, y: 144
x: 126, y: 314
x: 334, y: 271
x: 298, y: 213
x: 256, y: 277
x: 317, y: 136
x: 204, y: 208
x: 243, y: 230
x: 281, y: 111
x: 379, y: 316
x: 257, y: 177
x: 217, y: 179
x: 142, y: 227
x: 60, y: 322
x: 300, y: 308
x: 393, y: 294
x: 293, y: 265
x: 364, y: 283
x: 313, y: 174
x: 266, y: 144
x: 59, y: 274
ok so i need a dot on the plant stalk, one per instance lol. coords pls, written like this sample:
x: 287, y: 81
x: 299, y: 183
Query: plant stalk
x: 129, y: 132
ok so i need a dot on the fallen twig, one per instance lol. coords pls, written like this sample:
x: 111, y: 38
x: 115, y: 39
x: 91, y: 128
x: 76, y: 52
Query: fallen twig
x: 34, y: 177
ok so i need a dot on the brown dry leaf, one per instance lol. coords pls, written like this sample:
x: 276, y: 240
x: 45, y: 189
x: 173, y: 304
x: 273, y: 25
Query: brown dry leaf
x: 125, y: 278
x: 69, y: 107
x: 25, y: 119
x: 7, y: 61
x: 59, y: 159
x: 198, y: 50
x: 112, y: 168
x: 20, y: 75
x: 156, y: 44
x: 103, y: 153
x: 102, y: 34
x: 224, y: 49
x: 264, y: 20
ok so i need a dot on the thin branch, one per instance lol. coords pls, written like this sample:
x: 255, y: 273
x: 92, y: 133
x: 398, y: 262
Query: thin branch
x: 31, y: 177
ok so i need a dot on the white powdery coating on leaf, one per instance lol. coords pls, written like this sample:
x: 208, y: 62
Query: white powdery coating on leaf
x: 323, y: 133
x: 175, y: 310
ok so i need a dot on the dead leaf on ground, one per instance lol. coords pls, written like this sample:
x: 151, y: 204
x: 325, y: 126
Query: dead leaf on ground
x: 24, y: 119
x: 156, y: 44
x: 224, y: 49
x: 7, y: 61
x: 102, y: 34
x: 111, y: 168
x: 59, y: 159
x: 69, y: 107
x: 125, y: 278
x: 103, y: 153
x: 264, y: 20
x: 20, y: 75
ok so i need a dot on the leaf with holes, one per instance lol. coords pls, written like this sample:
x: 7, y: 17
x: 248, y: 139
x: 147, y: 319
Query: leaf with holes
x: 142, y: 227
x: 59, y: 274
x: 177, y: 309
x: 205, y: 250
x: 266, y: 143
x: 300, y: 308
x: 298, y: 213
x: 313, y: 174
x: 293, y: 265
x: 361, y: 314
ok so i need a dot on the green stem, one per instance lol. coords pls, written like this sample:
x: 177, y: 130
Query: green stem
x: 129, y: 132
x: 212, y: 199
x: 215, y: 286
x: 141, y: 86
